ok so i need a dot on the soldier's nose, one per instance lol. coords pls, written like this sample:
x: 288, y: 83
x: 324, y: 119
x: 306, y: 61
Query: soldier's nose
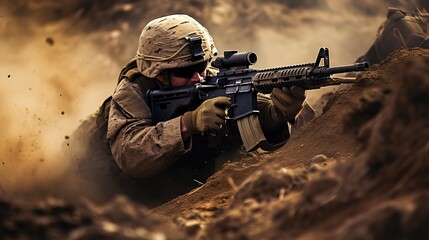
x: 196, y: 78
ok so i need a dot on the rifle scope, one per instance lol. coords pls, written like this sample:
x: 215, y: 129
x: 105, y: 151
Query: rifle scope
x: 234, y: 59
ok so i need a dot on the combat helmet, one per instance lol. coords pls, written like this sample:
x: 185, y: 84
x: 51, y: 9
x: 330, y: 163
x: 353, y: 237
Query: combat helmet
x: 402, y: 29
x: 173, y: 41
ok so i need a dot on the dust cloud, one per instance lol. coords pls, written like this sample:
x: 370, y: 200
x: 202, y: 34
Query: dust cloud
x: 48, y: 82
x: 57, y: 68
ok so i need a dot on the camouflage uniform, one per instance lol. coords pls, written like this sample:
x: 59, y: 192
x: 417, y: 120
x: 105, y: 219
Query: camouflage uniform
x: 139, y: 148
x: 157, y: 153
x: 150, y: 162
x: 401, y: 29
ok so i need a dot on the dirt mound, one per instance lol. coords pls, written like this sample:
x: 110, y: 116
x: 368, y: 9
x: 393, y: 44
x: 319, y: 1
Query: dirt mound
x: 371, y: 136
x: 55, y: 219
x: 380, y: 193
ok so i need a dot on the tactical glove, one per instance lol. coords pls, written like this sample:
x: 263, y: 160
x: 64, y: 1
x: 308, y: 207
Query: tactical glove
x: 287, y: 103
x: 209, y: 116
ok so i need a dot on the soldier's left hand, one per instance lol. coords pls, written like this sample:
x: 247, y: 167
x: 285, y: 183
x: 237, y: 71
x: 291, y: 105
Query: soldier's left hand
x: 287, y: 102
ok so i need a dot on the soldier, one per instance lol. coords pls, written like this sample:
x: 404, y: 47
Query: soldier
x: 154, y: 163
x: 402, y: 29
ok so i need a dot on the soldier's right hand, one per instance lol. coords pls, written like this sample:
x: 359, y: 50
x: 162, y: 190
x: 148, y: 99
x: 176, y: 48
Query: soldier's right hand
x: 209, y: 116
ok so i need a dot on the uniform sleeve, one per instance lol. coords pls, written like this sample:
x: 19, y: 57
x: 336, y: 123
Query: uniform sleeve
x: 276, y: 134
x: 139, y: 148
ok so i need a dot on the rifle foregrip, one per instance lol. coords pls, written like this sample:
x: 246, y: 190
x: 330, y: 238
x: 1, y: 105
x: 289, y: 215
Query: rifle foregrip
x: 265, y: 80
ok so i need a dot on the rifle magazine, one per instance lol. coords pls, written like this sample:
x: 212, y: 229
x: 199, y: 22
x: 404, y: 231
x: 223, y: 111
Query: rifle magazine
x: 251, y: 132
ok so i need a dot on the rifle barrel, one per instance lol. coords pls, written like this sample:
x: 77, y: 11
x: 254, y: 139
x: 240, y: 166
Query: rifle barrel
x: 359, y: 66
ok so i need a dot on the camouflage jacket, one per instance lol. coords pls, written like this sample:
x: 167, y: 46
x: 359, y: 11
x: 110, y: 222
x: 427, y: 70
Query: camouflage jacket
x: 120, y: 150
x: 141, y: 148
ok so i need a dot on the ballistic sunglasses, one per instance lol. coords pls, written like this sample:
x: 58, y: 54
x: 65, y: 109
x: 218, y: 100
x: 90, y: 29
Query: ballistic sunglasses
x: 188, y: 72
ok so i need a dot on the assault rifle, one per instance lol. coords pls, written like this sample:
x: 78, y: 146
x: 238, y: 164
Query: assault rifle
x: 240, y: 83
